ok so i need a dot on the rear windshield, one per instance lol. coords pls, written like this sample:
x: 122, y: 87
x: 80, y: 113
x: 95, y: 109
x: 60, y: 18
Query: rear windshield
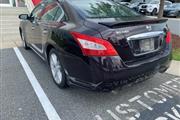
x: 102, y: 9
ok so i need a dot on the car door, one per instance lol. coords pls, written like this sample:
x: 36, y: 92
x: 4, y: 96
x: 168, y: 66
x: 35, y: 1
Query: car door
x: 41, y: 27
x: 30, y: 24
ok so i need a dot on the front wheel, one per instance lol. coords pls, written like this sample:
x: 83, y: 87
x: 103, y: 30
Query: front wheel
x: 57, y: 70
x: 154, y: 12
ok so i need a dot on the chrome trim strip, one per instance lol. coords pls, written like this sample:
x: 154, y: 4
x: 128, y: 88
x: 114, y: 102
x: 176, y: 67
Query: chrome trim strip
x: 145, y: 35
x: 136, y: 55
x: 39, y: 50
x: 62, y: 15
x: 37, y: 53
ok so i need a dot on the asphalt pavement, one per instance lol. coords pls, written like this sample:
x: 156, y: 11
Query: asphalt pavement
x: 154, y: 99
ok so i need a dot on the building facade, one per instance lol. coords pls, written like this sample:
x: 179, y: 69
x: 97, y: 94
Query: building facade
x: 19, y: 3
x: 7, y: 3
x: 12, y: 3
x: 31, y: 3
x: 35, y: 2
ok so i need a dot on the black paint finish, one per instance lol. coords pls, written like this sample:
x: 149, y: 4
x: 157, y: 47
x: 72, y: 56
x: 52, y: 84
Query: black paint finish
x: 96, y: 72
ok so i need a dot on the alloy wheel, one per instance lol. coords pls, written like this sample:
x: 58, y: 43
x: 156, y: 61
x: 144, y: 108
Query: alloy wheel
x: 55, y: 68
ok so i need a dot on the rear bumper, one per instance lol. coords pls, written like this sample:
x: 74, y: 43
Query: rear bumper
x: 99, y: 72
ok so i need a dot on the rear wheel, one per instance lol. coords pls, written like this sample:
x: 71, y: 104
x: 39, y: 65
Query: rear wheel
x: 154, y: 12
x: 57, y: 70
x: 24, y: 41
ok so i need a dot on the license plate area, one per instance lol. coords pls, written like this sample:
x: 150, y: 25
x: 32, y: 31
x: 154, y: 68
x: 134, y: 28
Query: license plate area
x: 142, y: 44
x: 146, y: 45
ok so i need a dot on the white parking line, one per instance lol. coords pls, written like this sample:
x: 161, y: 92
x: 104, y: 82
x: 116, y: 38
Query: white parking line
x: 45, y: 102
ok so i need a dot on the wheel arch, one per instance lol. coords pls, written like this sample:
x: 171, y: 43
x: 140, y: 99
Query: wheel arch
x: 47, y: 50
x: 20, y: 31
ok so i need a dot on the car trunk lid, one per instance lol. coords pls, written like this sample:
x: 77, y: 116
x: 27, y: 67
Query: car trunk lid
x: 134, y: 39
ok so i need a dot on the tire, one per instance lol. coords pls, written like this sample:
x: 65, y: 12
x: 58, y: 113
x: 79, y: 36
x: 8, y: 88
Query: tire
x: 57, y: 70
x: 24, y: 40
x: 154, y: 12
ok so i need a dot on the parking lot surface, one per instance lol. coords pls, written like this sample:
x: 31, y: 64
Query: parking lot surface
x: 154, y: 99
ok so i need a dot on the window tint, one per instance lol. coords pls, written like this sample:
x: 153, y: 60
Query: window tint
x: 59, y: 15
x: 102, y: 9
x: 49, y: 12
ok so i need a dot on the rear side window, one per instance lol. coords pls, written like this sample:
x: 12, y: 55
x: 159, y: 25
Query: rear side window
x: 48, y: 14
x: 102, y: 9
x: 52, y: 12
x: 59, y: 15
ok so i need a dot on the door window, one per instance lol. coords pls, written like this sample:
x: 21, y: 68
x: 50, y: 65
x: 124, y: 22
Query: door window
x: 52, y: 12
x: 36, y: 12
x: 49, y: 12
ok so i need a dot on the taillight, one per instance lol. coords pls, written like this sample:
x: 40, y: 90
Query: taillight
x: 92, y: 46
x: 168, y: 37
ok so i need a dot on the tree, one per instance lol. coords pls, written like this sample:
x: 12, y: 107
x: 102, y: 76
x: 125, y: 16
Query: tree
x: 161, y: 9
x: 104, y: 9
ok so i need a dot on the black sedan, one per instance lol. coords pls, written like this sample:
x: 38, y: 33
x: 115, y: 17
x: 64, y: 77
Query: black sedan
x: 96, y: 44
x: 172, y: 10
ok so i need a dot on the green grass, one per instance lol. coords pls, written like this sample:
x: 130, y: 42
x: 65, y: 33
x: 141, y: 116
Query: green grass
x: 176, y: 54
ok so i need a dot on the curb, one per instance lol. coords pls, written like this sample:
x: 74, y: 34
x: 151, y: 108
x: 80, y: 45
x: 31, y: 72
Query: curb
x: 174, y: 68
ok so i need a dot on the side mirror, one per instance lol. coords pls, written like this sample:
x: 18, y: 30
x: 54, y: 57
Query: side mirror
x: 24, y: 16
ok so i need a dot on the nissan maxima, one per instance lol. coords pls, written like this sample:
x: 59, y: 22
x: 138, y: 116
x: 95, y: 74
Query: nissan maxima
x: 96, y: 44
